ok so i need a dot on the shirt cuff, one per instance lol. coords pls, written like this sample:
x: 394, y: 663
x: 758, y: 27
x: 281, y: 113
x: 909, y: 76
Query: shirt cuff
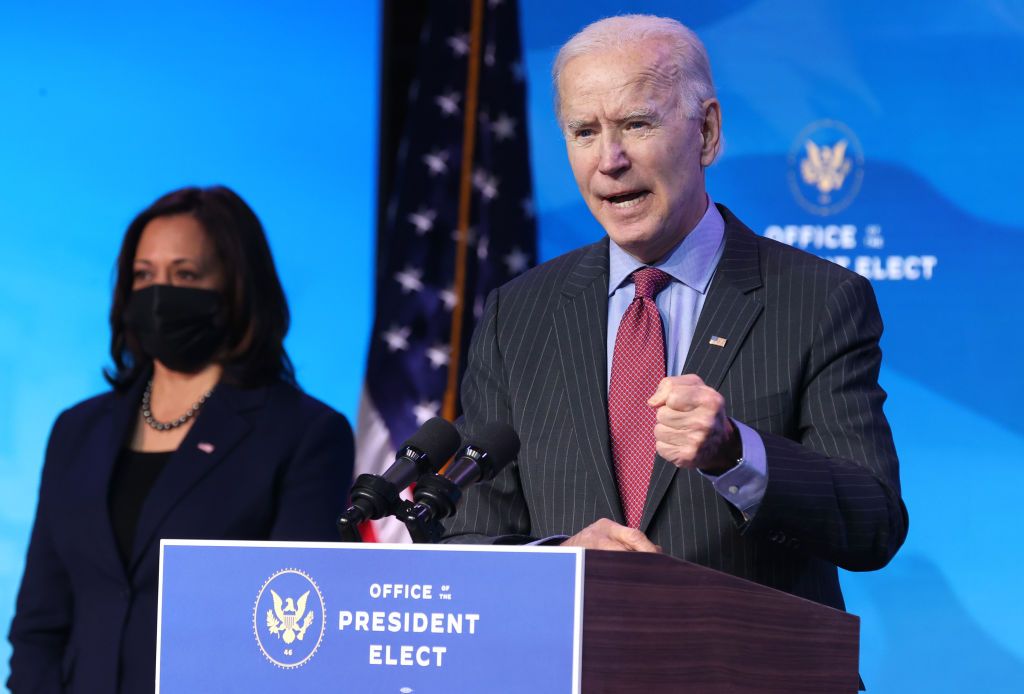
x: 743, y: 485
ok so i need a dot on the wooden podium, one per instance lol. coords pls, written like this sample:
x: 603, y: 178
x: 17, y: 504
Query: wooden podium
x: 289, y: 616
x: 652, y: 623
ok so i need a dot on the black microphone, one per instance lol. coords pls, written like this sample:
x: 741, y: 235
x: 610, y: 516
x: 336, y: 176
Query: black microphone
x: 484, y: 455
x: 376, y: 496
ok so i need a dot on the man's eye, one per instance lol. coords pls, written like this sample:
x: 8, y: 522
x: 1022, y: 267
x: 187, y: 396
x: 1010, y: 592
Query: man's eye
x: 637, y: 125
x: 584, y: 133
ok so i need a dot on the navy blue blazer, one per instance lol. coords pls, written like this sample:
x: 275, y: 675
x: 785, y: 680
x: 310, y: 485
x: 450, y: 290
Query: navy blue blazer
x: 267, y: 463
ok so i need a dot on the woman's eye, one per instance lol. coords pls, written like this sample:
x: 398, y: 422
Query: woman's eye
x: 187, y: 275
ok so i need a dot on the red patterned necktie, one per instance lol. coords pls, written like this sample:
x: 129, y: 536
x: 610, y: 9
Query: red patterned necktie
x: 638, y: 364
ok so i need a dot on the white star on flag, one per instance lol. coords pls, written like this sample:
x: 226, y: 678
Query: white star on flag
x: 481, y: 249
x: 426, y: 409
x: 459, y: 44
x: 438, y: 356
x: 517, y: 71
x: 486, y: 183
x: 437, y: 162
x: 397, y: 338
x: 478, y: 307
x: 504, y: 127
x: 411, y: 280
x: 489, y: 55
x: 516, y: 261
x: 449, y: 298
x: 423, y: 220
x: 449, y: 103
x: 527, y: 206
x: 470, y: 235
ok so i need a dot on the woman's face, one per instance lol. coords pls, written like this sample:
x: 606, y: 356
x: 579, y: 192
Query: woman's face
x: 176, y: 250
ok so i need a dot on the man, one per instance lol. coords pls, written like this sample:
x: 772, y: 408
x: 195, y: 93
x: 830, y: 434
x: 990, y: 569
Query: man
x: 764, y: 451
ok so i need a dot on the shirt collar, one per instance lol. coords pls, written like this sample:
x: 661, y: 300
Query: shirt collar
x: 690, y: 262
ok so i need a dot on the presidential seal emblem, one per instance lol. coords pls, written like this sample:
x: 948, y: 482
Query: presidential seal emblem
x: 826, y: 167
x: 288, y: 618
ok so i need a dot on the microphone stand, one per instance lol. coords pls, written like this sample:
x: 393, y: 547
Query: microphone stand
x: 371, y: 496
x: 349, y: 530
x: 422, y: 527
x: 436, y: 497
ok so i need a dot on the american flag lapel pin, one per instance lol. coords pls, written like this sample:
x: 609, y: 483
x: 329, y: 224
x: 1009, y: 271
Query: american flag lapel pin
x: 717, y: 341
x: 205, y: 447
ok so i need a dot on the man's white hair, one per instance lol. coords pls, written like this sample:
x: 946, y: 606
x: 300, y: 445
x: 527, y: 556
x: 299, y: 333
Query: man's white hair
x: 689, y: 59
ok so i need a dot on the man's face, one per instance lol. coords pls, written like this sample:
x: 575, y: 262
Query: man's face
x: 637, y: 158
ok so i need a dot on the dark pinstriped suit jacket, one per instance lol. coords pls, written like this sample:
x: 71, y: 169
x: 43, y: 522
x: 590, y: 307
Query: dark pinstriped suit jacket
x: 800, y: 366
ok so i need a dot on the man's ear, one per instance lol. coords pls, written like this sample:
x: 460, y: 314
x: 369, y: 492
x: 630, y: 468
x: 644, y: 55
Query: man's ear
x: 711, y: 132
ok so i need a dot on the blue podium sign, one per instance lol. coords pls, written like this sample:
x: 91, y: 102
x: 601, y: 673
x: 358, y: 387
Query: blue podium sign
x: 319, y: 617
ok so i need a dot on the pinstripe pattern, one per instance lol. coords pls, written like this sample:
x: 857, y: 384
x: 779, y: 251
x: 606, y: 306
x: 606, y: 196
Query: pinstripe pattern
x: 800, y: 366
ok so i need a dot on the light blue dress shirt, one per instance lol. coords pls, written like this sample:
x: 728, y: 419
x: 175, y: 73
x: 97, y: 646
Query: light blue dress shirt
x: 691, y: 264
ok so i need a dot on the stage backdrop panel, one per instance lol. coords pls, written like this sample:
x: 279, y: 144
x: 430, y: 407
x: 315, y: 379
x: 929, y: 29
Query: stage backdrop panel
x: 104, y: 107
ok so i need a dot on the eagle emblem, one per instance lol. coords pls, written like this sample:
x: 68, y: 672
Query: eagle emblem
x: 289, y: 630
x: 825, y: 167
x: 285, y: 620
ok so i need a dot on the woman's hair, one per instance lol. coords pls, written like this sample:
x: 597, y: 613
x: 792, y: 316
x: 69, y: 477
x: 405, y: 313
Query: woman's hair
x: 255, y: 315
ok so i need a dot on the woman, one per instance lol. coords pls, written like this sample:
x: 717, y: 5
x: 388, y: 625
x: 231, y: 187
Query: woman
x: 205, y: 435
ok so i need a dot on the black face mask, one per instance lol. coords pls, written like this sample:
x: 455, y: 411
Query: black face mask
x: 180, y: 327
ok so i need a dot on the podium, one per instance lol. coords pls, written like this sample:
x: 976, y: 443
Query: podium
x: 262, y: 616
x: 652, y: 623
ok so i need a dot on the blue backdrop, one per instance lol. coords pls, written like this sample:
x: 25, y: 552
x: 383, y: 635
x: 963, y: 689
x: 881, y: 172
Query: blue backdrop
x: 105, y: 106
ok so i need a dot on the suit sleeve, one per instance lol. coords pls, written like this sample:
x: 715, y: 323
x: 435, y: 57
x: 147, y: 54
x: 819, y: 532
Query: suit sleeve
x: 835, y: 491
x: 493, y: 511
x: 42, y: 620
x: 316, y: 482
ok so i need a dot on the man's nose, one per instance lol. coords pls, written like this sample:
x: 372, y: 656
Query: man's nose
x: 614, y: 158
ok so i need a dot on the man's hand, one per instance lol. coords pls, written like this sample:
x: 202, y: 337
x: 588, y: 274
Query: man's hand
x: 693, y: 430
x: 607, y: 534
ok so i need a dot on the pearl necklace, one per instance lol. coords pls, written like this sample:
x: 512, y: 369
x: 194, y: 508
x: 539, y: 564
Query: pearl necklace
x: 147, y: 413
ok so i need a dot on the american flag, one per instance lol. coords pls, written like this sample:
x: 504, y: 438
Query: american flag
x: 459, y: 223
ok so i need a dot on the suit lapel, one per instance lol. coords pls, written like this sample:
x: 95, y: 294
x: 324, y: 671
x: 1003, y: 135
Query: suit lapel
x: 584, y: 354
x: 218, y: 429
x: 729, y: 312
x: 102, y: 450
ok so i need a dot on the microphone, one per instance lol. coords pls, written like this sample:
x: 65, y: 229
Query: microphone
x: 376, y: 496
x: 483, y: 456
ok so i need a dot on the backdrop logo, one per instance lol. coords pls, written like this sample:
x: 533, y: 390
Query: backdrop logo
x: 826, y: 167
x: 288, y: 619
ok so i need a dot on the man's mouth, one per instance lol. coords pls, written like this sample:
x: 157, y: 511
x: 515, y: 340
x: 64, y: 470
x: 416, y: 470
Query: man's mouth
x: 627, y: 200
